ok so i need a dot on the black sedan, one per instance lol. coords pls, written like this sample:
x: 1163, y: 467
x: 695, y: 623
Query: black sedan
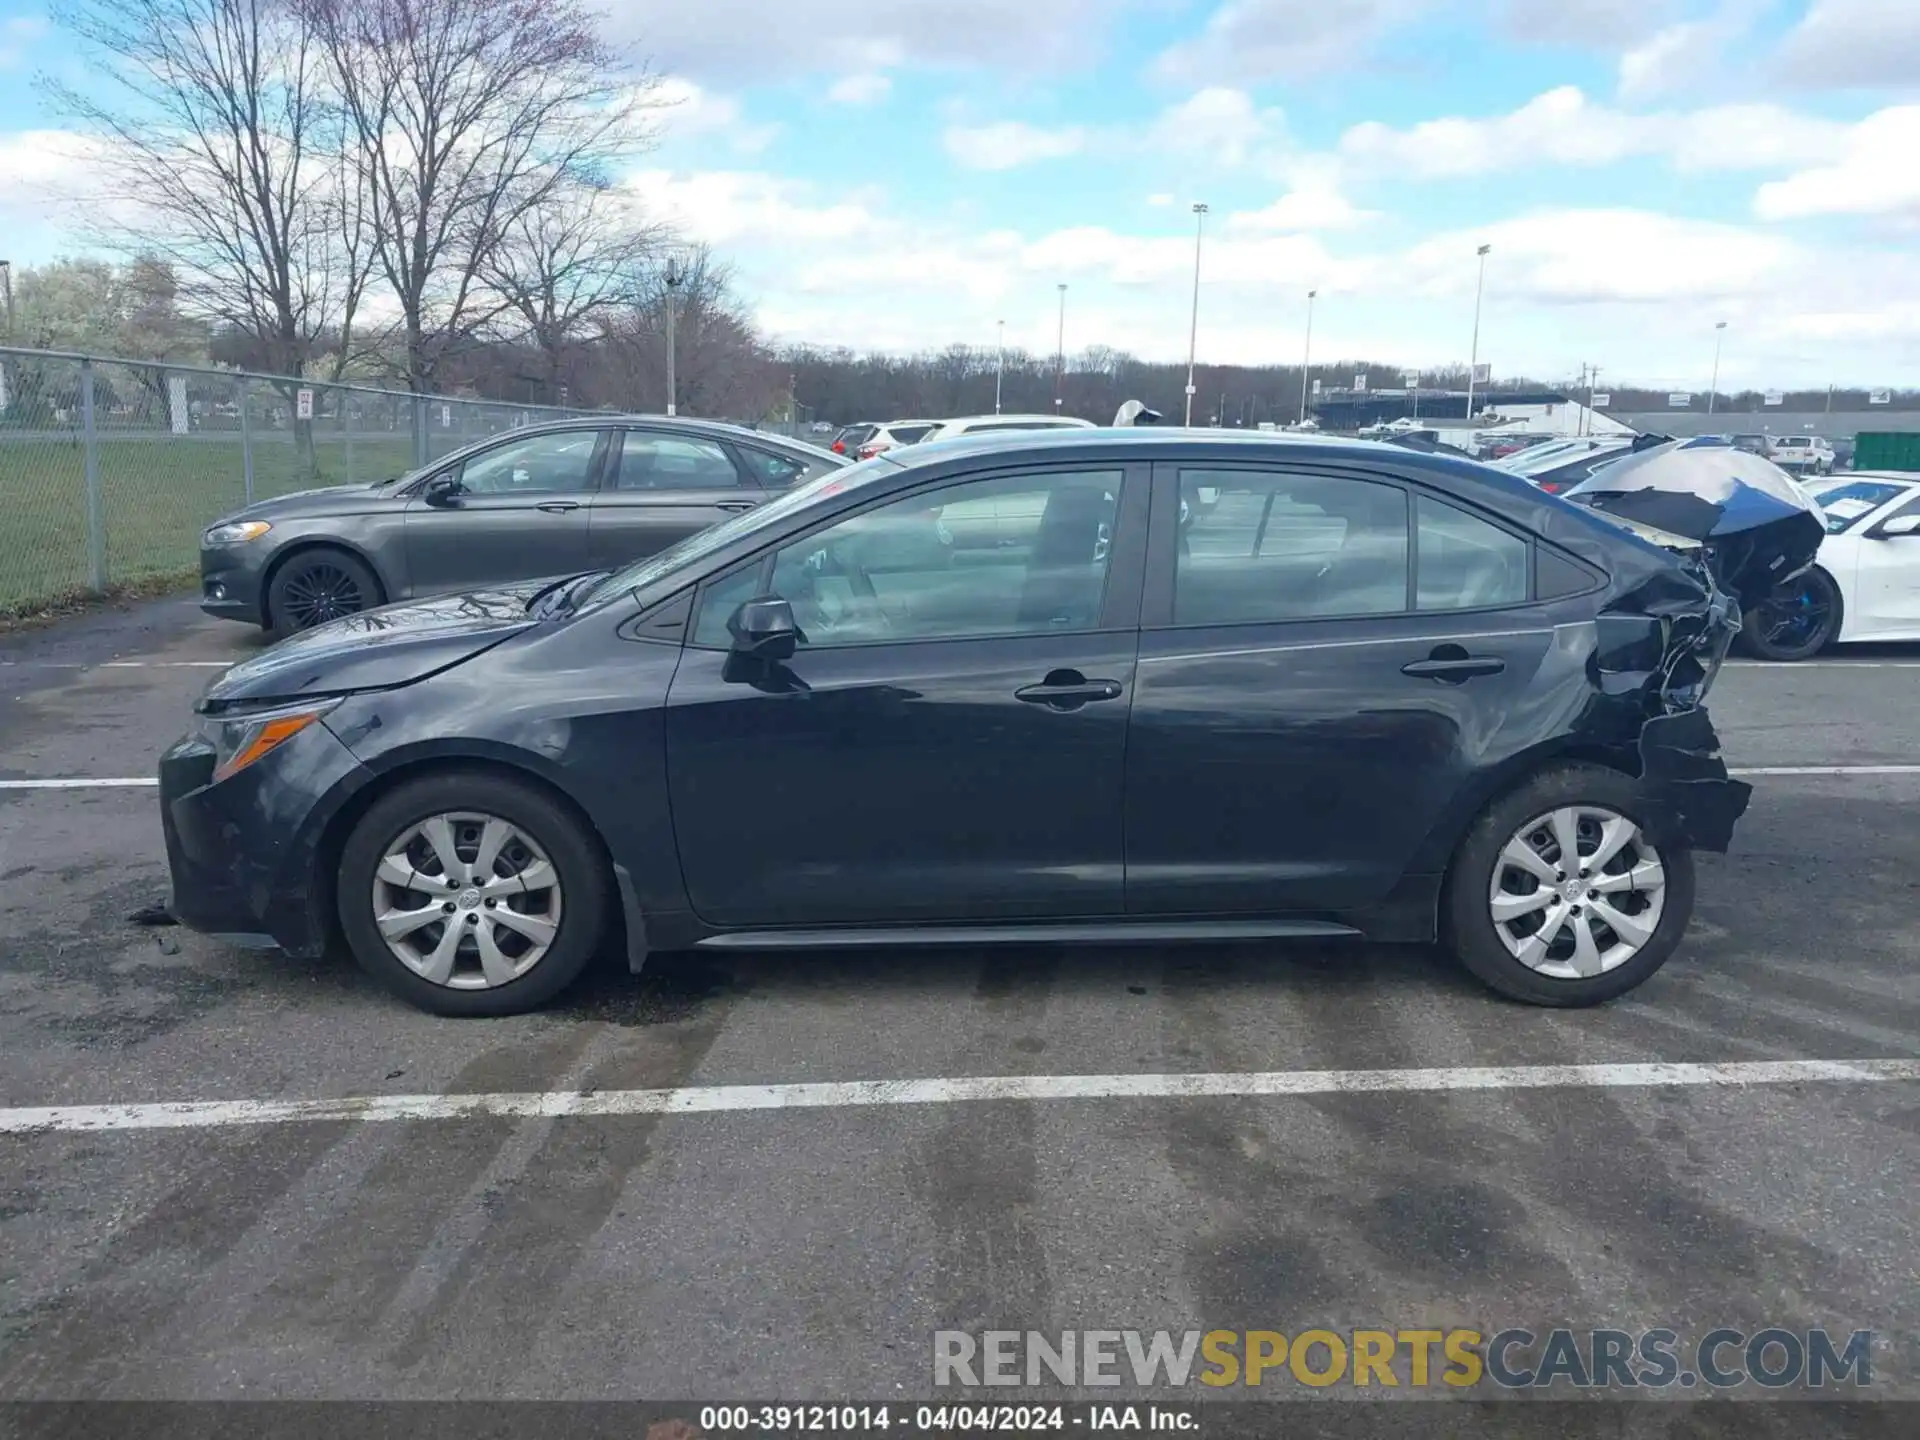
x: 1097, y: 687
x: 545, y: 500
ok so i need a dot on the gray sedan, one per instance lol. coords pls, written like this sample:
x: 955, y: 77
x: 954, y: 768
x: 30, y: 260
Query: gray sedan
x: 547, y: 500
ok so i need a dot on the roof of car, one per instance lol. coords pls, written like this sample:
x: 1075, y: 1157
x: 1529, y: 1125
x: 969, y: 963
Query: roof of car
x: 1146, y: 439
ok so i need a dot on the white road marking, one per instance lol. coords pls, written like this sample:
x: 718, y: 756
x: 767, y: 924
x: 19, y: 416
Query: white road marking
x: 119, y: 664
x: 712, y: 1099
x: 1813, y: 667
x: 119, y: 782
x: 1828, y: 770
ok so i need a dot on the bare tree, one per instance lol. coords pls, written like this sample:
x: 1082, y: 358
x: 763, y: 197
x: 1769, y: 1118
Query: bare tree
x: 465, y: 117
x: 228, y: 166
x: 721, y: 369
x: 565, y: 268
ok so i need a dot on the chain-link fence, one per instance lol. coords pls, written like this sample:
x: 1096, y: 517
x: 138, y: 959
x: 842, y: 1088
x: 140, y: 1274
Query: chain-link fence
x: 110, y: 469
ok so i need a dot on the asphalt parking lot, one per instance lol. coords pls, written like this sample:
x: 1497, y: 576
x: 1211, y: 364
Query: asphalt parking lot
x: 809, y: 1251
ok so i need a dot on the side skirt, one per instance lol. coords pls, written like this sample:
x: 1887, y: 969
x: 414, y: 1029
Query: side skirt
x: 1115, y: 932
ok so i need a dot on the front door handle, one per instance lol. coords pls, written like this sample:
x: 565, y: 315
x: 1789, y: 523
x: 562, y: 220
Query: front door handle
x: 736, y: 506
x: 1068, y: 690
x: 558, y: 507
x: 1451, y: 665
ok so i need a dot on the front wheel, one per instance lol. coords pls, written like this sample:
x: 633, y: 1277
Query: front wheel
x: 1796, y: 620
x: 1559, y: 897
x: 318, y: 585
x: 470, y: 893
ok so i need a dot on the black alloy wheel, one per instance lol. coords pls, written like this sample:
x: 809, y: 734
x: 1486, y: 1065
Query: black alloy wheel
x: 1797, y: 620
x: 319, y: 586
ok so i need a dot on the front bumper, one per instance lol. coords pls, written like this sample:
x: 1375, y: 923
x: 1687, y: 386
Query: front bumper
x: 242, y: 851
x: 230, y: 582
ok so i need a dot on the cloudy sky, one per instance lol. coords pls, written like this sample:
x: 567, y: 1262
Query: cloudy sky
x: 907, y: 173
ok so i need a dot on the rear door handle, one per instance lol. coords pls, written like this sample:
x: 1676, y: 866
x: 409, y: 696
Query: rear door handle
x: 1454, y: 669
x: 1068, y: 690
x: 736, y: 506
x: 558, y: 507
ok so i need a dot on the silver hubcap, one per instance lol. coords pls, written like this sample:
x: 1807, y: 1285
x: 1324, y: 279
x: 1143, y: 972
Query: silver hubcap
x: 1576, y: 892
x: 467, y: 900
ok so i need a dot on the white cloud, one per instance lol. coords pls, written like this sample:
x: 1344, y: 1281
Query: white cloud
x: 862, y: 89
x: 1596, y: 24
x: 1261, y: 39
x: 1586, y: 256
x: 690, y: 109
x: 16, y: 38
x: 728, y: 206
x: 1009, y: 143
x: 751, y: 39
x: 1844, y: 43
x: 1218, y: 124
x: 1876, y: 172
x: 1308, y: 208
x: 1160, y: 198
x: 1563, y: 127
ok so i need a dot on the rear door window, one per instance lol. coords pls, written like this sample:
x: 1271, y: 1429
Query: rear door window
x: 1463, y: 562
x: 673, y: 462
x: 1256, y: 548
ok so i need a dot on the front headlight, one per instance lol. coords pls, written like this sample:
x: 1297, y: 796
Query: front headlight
x: 239, y: 740
x: 236, y: 533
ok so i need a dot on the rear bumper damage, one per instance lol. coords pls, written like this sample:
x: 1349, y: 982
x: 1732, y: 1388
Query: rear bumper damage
x: 1696, y: 802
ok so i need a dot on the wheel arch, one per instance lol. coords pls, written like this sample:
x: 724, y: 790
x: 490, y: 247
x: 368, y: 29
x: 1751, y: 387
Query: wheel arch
x: 501, y: 763
x: 1441, y: 847
x: 306, y: 545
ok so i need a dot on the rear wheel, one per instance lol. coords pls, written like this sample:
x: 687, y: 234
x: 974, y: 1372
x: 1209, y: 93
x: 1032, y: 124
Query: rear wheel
x: 1559, y: 897
x: 316, y: 586
x: 1795, y: 621
x: 470, y: 893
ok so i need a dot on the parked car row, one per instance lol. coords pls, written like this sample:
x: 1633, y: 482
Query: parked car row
x: 868, y: 439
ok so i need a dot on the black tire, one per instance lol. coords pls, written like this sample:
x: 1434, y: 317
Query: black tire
x: 317, y: 585
x: 568, y: 844
x: 1467, y: 927
x: 1796, y: 621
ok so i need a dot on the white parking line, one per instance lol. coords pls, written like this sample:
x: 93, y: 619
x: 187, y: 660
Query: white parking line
x: 1828, y: 770
x: 119, y: 782
x: 712, y: 1099
x: 118, y: 664
x: 1817, y: 665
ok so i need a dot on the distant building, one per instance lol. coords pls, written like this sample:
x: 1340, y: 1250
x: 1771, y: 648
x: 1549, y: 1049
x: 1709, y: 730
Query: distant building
x: 1532, y: 412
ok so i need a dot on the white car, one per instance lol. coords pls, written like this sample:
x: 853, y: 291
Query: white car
x: 892, y: 435
x: 983, y: 424
x: 1802, y: 454
x: 1865, y: 581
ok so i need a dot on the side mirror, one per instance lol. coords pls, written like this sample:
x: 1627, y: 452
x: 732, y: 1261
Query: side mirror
x: 765, y: 629
x: 1897, y: 525
x: 442, y: 490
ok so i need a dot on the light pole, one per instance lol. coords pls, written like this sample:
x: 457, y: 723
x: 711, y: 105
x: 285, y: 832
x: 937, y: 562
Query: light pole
x: 1306, y: 357
x: 1193, y: 326
x: 1000, y: 367
x: 1473, y: 359
x: 1060, y: 351
x: 674, y: 278
x: 6, y: 291
x: 1593, y: 384
x: 1713, y: 386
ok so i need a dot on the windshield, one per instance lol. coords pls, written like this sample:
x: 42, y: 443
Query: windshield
x: 702, y: 543
x: 1847, y: 502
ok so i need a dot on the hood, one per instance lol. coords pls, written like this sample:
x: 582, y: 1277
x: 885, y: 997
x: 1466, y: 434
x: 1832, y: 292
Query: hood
x: 1755, y: 527
x: 378, y: 649
x: 328, y: 499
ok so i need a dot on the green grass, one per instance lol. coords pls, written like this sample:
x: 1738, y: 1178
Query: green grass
x: 156, y: 497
